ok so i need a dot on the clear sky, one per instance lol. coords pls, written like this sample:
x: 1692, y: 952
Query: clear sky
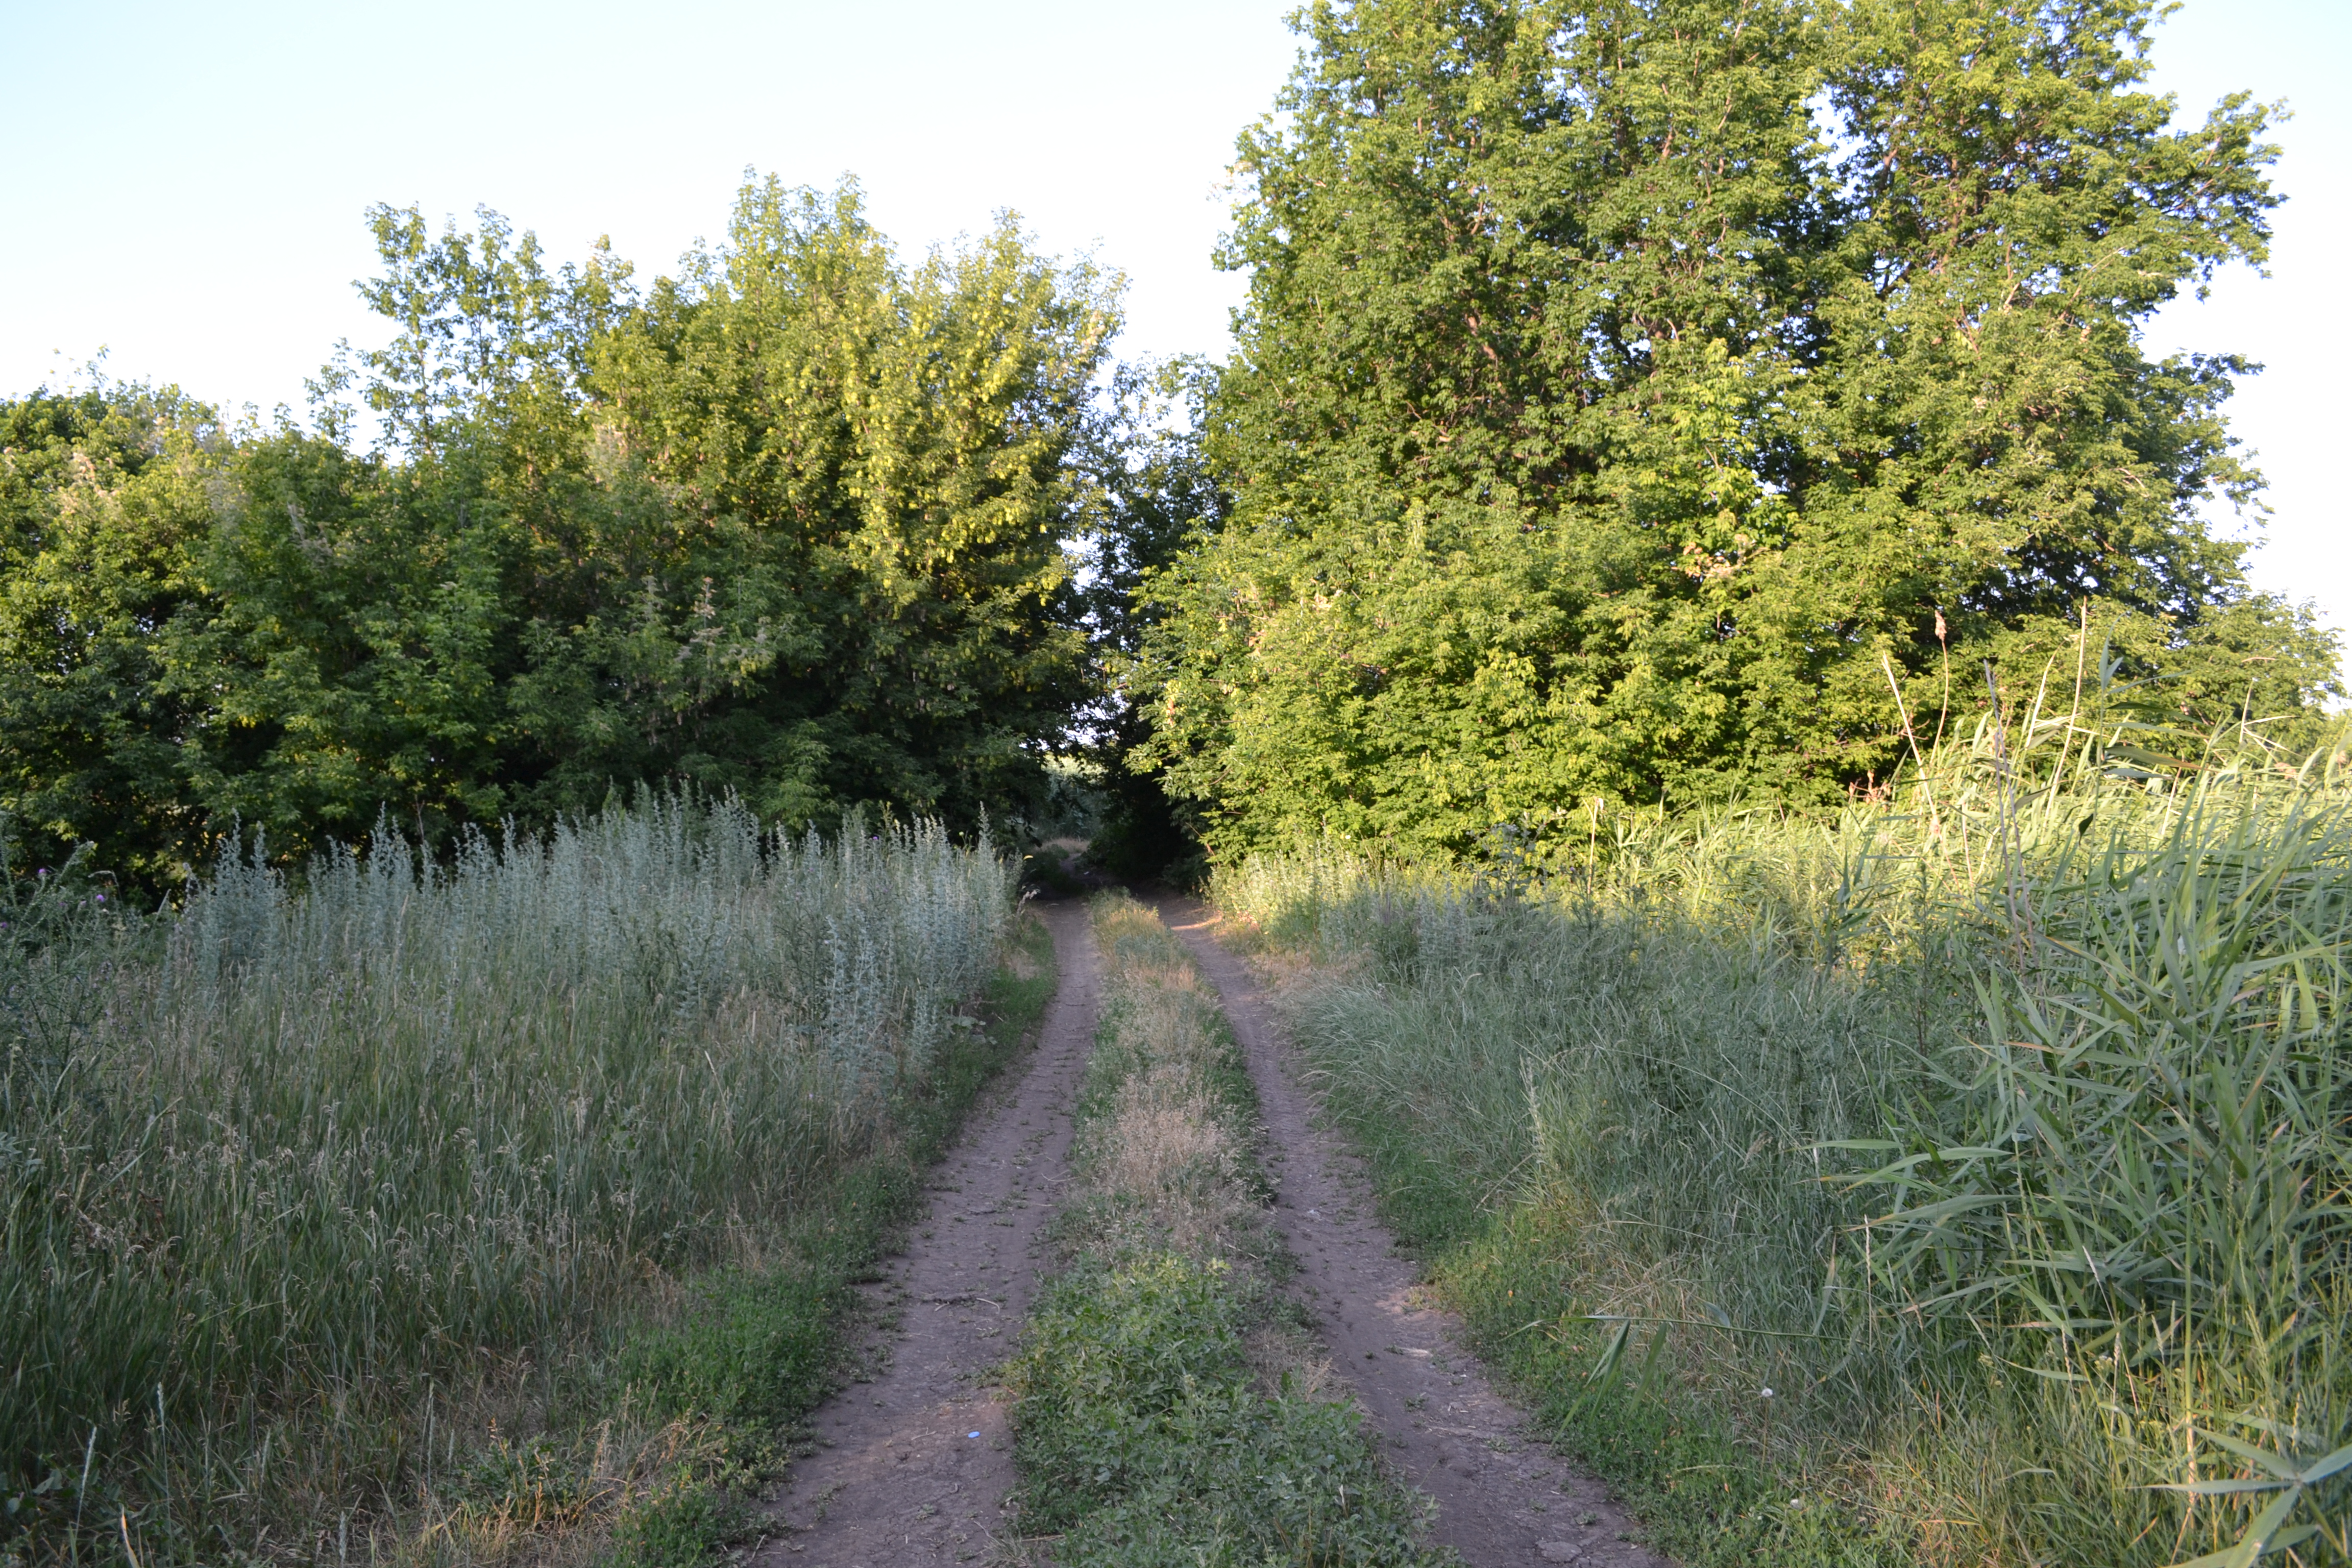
x: 185, y: 182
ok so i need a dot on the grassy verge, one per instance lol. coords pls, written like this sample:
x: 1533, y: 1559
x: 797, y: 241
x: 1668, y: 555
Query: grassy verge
x: 1950, y: 1188
x: 503, y: 1211
x: 1170, y: 1409
x: 1656, y: 1427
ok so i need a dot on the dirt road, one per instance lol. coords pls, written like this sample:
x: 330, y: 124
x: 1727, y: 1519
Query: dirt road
x: 914, y: 1466
x: 1502, y: 1500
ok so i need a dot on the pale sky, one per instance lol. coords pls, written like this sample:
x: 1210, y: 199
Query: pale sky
x: 185, y: 182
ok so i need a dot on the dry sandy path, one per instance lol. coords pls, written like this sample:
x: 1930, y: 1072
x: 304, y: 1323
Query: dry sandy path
x: 1502, y: 1499
x: 913, y: 1468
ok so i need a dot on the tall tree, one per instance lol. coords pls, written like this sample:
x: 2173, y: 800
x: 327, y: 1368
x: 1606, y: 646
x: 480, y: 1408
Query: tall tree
x: 1987, y: 440
x: 1587, y: 430
x: 866, y: 476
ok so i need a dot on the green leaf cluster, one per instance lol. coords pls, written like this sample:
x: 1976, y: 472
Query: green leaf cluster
x: 1628, y: 389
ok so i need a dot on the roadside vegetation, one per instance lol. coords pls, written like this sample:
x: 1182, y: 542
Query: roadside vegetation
x: 1963, y: 1177
x: 1587, y: 617
x: 1171, y: 1408
x: 469, y: 1212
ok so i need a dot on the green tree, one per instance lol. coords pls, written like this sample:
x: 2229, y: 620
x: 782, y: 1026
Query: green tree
x: 865, y: 474
x: 1987, y: 438
x: 1601, y: 421
x: 349, y: 652
x: 105, y: 497
x: 788, y: 523
x: 791, y: 523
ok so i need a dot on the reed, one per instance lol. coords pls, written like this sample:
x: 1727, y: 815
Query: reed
x: 1997, y: 1126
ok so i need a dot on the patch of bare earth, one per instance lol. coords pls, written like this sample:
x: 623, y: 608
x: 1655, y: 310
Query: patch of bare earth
x: 914, y: 1466
x: 1502, y: 1497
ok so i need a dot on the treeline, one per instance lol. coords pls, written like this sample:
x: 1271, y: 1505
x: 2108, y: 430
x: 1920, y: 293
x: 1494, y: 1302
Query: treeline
x: 790, y: 523
x: 1658, y: 399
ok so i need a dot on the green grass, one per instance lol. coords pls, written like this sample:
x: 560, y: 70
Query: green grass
x: 1147, y: 1437
x: 1161, y: 1417
x: 436, y: 1214
x: 2005, y: 1138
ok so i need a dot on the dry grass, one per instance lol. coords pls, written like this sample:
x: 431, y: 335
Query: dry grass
x: 1167, y: 1151
x: 1161, y: 1147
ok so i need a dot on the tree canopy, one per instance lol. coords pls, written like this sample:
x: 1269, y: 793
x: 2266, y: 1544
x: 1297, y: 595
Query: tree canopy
x: 1625, y: 388
x: 791, y: 523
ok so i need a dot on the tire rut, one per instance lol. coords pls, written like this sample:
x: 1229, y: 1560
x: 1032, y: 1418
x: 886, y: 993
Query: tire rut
x: 1503, y: 1499
x: 914, y: 1466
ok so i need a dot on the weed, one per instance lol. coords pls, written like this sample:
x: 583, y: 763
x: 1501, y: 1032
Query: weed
x: 680, y: 1527
x: 460, y: 1205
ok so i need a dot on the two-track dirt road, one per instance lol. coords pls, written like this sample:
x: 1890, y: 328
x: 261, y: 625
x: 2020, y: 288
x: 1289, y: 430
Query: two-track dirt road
x: 1501, y: 1497
x: 914, y: 1468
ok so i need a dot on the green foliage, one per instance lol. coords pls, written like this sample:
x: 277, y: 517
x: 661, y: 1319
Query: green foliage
x: 865, y: 472
x: 789, y: 525
x: 1160, y: 498
x: 1602, y: 419
x: 104, y: 505
x: 344, y: 658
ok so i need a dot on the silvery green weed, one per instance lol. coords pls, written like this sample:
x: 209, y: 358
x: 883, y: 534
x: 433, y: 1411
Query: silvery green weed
x: 314, y: 1163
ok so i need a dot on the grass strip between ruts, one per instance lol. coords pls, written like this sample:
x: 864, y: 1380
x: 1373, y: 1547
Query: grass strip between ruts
x: 1167, y: 1413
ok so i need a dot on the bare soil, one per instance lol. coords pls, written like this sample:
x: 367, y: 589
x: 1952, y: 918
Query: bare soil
x: 914, y: 1466
x: 1502, y: 1497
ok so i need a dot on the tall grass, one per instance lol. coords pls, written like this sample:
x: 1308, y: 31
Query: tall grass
x: 294, y: 1181
x: 2003, y: 1129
